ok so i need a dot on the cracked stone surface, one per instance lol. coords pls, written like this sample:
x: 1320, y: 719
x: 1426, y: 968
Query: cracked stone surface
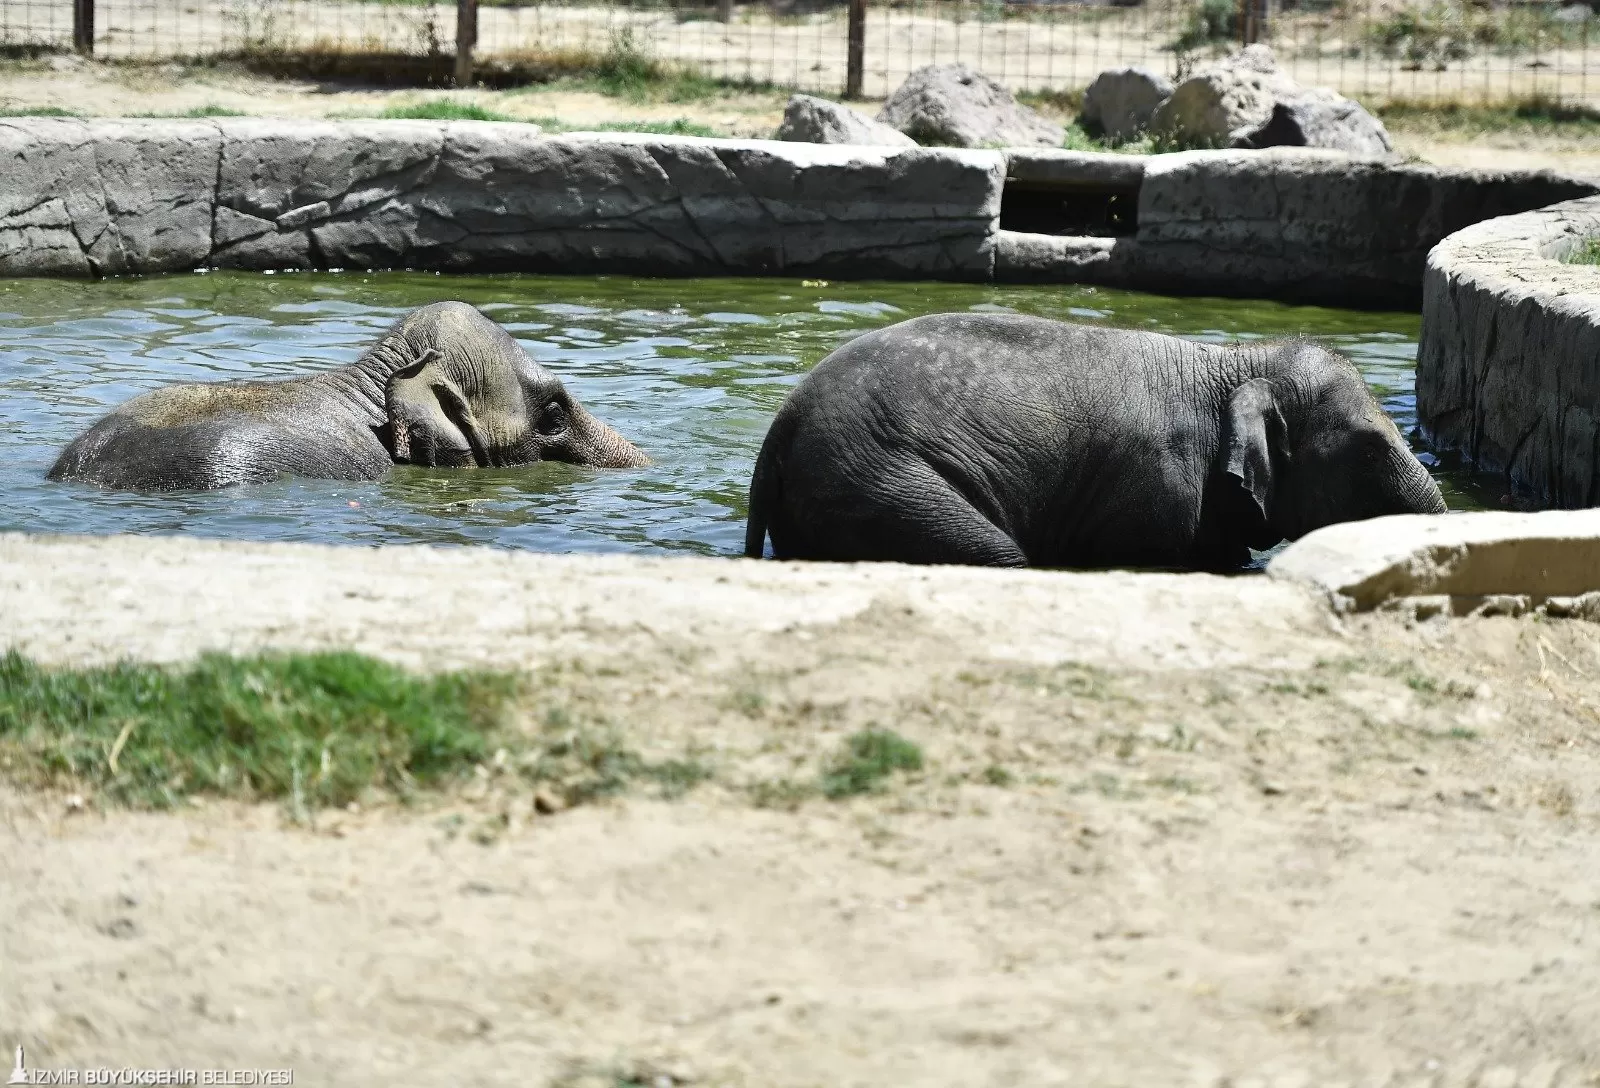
x: 1508, y: 368
x: 85, y: 198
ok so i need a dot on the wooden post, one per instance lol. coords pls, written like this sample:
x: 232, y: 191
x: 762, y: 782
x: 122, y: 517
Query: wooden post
x: 856, y: 60
x: 83, y: 26
x: 466, y: 39
x: 1253, y: 14
x: 724, y: 11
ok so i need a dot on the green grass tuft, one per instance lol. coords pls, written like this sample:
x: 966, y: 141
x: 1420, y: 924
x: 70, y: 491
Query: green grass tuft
x: 678, y: 126
x: 443, y: 109
x: 39, y: 111
x: 868, y: 758
x: 318, y: 729
x: 1588, y: 252
x: 1537, y: 114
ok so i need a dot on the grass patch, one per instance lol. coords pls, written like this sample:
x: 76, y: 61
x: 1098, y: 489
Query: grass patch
x: 785, y: 794
x: 678, y: 126
x: 1588, y: 252
x: 1434, y: 36
x: 1070, y: 679
x: 39, y: 111
x: 1063, y: 101
x: 629, y: 68
x: 446, y: 109
x: 317, y: 729
x: 588, y: 761
x: 443, y: 109
x: 1211, y: 23
x: 996, y: 775
x: 1538, y: 114
x: 869, y: 757
x: 1427, y: 686
x: 313, y: 730
x: 747, y: 701
x: 198, y: 113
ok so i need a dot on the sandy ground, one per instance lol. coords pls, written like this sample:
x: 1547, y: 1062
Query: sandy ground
x: 1049, y: 47
x: 115, y: 90
x: 1231, y: 839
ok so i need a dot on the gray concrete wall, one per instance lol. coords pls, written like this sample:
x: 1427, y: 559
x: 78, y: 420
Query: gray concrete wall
x: 1508, y: 369
x: 107, y: 197
x: 83, y: 198
x: 1291, y: 223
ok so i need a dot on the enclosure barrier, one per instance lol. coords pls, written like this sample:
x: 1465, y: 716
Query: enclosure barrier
x: 87, y: 198
x: 1368, y: 49
x: 1506, y: 365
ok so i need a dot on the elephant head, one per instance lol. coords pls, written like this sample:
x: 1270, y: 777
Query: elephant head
x: 469, y: 395
x: 1309, y: 446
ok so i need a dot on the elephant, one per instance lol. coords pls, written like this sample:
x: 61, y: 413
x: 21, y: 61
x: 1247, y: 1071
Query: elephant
x: 1009, y: 440
x: 444, y: 387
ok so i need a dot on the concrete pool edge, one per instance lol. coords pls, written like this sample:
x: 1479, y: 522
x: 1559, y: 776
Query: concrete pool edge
x: 1505, y: 363
x: 91, y: 600
x: 103, y: 197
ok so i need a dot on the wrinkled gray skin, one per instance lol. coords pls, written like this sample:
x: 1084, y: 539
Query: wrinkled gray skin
x: 1016, y: 441
x: 444, y: 387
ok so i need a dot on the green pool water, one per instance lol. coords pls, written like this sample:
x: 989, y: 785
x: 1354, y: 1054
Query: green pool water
x: 690, y: 370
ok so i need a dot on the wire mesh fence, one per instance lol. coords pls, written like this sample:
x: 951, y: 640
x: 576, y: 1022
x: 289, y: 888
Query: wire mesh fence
x: 1370, y: 49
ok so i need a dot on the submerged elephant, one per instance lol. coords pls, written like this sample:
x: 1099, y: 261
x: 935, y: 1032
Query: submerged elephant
x: 1007, y: 440
x: 445, y: 387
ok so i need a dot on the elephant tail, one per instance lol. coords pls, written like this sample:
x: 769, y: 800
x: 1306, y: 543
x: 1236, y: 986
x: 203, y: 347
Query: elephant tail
x: 764, y: 486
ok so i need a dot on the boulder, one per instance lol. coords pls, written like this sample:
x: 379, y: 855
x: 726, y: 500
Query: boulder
x: 1320, y: 118
x: 808, y: 120
x: 955, y: 106
x: 1246, y: 101
x: 1472, y: 560
x: 1119, y: 102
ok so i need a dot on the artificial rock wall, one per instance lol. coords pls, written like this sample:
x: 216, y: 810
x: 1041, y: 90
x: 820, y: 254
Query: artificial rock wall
x: 84, y: 198
x: 1508, y: 368
x: 1289, y: 223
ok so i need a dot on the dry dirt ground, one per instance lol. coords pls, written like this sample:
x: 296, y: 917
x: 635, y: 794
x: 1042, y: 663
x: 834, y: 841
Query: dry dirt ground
x: 1171, y: 831
x: 121, y: 90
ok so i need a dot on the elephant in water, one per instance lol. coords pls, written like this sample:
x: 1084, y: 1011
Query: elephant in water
x: 1005, y: 440
x: 445, y: 387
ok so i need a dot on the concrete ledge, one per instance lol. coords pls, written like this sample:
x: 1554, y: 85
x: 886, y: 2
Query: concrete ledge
x: 108, y: 197
x: 79, y: 600
x: 1044, y: 166
x: 1508, y: 369
x: 1486, y: 563
x: 1021, y: 257
x: 89, y: 198
x: 1314, y: 225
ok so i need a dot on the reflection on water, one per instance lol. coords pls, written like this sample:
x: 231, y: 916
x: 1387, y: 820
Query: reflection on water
x: 690, y: 370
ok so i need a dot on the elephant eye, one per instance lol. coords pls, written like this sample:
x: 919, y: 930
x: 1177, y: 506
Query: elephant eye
x: 553, y: 419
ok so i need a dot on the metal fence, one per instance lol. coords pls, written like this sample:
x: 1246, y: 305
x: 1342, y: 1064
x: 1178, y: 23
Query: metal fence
x: 1371, y: 49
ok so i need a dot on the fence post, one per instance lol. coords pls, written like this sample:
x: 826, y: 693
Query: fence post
x: 724, y: 11
x: 83, y: 26
x: 466, y: 39
x: 856, y: 60
x: 1252, y: 14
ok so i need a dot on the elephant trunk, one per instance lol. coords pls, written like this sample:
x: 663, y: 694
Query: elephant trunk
x: 603, y: 447
x: 1419, y: 492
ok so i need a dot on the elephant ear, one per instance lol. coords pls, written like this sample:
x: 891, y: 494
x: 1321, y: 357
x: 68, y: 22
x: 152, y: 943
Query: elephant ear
x: 429, y: 414
x: 1252, y: 443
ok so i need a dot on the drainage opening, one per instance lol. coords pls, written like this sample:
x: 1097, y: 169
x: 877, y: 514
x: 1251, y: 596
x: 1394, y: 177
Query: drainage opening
x: 1084, y: 210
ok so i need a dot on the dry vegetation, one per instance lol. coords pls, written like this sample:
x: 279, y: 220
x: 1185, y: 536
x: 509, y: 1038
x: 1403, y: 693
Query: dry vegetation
x: 881, y: 857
